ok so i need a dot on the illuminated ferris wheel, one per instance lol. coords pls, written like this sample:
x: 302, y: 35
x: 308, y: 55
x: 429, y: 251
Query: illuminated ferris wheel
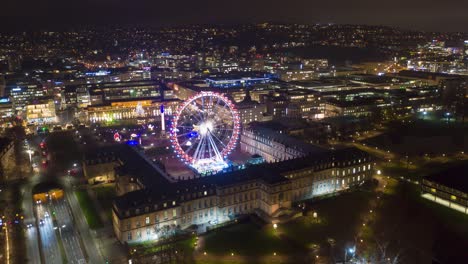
x: 205, y: 130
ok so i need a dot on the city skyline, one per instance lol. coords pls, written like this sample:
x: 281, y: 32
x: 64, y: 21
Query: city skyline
x: 414, y: 15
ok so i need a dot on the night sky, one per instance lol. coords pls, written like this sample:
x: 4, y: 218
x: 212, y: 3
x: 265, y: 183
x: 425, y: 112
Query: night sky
x: 432, y: 15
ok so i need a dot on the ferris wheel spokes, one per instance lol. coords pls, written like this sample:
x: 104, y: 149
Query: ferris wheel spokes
x: 208, y: 131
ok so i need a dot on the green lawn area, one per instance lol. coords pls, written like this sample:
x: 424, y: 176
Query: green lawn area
x: 420, y: 137
x: 420, y: 229
x: 246, y: 239
x: 88, y: 209
x: 105, y: 194
x: 186, y: 245
x: 418, y: 168
x: 338, y: 218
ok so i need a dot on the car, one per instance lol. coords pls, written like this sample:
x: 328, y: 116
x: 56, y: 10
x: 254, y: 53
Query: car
x: 29, y: 226
x: 41, y: 222
x: 46, y: 215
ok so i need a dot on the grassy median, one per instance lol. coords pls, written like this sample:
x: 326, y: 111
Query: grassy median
x: 88, y: 209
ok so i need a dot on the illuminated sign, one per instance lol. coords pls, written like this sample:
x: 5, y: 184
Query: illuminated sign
x: 4, y: 100
x: 162, y: 109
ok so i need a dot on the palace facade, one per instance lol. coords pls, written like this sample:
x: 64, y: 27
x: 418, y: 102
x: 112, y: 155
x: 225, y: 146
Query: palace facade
x: 151, y: 206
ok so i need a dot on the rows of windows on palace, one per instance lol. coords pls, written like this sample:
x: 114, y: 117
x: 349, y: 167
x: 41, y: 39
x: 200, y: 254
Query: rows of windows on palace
x: 236, y: 204
x: 235, y: 196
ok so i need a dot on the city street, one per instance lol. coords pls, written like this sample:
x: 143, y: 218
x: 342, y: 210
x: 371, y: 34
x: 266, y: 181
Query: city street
x: 82, y: 227
x: 67, y: 231
x: 32, y: 245
x: 49, y: 241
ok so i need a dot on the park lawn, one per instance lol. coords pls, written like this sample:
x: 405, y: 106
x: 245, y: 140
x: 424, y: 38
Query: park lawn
x: 185, y: 245
x: 419, y: 168
x: 105, y: 195
x: 246, y: 239
x: 420, y: 229
x: 442, y: 137
x: 338, y: 218
x: 88, y: 209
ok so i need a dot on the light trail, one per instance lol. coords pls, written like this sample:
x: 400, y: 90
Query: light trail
x: 7, y: 238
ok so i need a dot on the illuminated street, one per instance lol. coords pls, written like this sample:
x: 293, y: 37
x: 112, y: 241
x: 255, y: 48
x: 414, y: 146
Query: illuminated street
x: 49, y: 241
x: 67, y: 231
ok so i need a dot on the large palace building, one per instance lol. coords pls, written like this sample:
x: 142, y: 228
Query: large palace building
x: 151, y: 205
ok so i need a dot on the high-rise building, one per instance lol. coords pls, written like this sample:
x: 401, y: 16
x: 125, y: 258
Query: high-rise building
x: 23, y: 94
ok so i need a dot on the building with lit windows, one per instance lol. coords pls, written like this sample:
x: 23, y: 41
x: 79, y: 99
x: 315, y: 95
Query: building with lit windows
x: 155, y: 207
x: 239, y: 80
x: 294, y: 103
x: 297, y: 75
x: 448, y: 188
x: 251, y: 111
x: 116, y: 110
x: 98, y: 93
x: 6, y: 108
x: 274, y: 146
x: 358, y: 108
x: 41, y: 112
x: 22, y: 94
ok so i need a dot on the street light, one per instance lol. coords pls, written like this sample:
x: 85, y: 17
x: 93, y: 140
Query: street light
x: 351, y: 251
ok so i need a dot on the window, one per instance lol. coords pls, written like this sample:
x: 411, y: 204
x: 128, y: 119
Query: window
x: 147, y: 220
x: 205, y: 193
x: 173, y: 202
x: 174, y: 212
x: 165, y: 214
x: 129, y: 236
x: 453, y: 197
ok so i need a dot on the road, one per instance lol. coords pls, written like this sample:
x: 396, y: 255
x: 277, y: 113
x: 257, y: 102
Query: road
x: 68, y: 234
x: 91, y: 247
x: 32, y: 236
x: 49, y: 241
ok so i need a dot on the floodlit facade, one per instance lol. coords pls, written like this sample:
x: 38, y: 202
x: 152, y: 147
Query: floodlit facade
x: 155, y: 209
x: 41, y: 112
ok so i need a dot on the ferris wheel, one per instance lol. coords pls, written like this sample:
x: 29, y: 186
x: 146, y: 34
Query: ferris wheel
x: 205, y: 130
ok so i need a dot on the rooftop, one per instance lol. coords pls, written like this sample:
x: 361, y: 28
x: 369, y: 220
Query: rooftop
x: 268, y: 173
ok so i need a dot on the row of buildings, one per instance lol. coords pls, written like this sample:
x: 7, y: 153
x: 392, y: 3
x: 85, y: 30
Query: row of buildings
x: 259, y: 96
